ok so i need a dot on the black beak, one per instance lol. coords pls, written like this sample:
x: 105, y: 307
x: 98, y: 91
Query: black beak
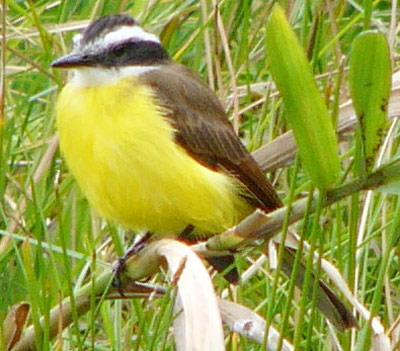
x: 72, y: 61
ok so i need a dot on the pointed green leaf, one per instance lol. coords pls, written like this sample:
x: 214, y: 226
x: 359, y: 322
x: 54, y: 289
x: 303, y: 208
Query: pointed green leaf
x: 315, y: 137
x: 370, y: 81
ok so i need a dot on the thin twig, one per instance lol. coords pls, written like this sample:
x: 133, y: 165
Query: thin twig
x: 44, y: 162
x: 225, y: 45
x: 263, y: 226
x: 207, y: 44
x: 31, y: 63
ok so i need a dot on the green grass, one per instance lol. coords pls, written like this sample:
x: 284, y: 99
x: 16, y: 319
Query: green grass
x: 52, y: 244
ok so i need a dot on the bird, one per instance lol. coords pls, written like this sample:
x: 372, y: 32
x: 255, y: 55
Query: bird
x: 148, y: 142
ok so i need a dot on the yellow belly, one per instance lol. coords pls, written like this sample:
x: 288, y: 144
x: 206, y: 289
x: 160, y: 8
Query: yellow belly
x: 121, y: 151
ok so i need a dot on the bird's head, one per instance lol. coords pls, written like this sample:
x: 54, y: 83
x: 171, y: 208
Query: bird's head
x: 114, y: 43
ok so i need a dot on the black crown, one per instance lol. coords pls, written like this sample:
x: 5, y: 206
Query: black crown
x: 104, y: 25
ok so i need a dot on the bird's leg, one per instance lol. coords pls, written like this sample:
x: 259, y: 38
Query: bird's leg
x: 185, y: 232
x: 220, y: 263
x: 120, y: 266
x: 133, y: 250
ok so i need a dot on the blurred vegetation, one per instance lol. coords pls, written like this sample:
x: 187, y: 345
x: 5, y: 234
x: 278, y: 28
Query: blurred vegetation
x: 52, y: 243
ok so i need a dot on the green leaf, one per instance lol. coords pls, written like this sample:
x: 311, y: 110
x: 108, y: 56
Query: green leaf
x: 316, y: 140
x: 370, y: 82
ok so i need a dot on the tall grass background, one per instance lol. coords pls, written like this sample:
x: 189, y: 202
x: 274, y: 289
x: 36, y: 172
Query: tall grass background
x: 52, y: 243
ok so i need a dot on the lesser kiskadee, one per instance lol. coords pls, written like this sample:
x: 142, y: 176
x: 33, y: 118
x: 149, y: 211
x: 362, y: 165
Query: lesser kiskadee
x: 146, y: 139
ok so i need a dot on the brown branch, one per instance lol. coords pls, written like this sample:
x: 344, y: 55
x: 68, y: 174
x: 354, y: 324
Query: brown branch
x: 263, y: 226
x: 281, y: 151
x: 257, y: 225
x: 61, y: 316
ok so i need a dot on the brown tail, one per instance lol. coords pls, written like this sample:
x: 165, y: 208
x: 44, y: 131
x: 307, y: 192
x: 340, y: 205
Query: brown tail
x: 221, y: 263
x: 327, y: 302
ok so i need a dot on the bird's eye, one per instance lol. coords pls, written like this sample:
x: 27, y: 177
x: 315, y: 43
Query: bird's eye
x: 118, y: 51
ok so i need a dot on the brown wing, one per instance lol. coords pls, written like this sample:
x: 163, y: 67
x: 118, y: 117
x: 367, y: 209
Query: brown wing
x: 203, y: 130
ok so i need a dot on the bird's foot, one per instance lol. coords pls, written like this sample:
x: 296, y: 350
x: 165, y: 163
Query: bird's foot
x: 120, y: 265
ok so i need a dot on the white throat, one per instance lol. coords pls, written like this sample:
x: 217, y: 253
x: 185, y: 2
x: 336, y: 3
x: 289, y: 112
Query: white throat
x: 95, y: 76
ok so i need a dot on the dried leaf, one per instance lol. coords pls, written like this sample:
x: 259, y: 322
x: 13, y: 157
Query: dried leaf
x: 280, y: 152
x: 198, y: 324
x: 244, y: 321
x: 14, y: 323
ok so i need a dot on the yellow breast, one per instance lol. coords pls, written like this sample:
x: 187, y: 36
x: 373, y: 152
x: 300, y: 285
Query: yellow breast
x: 121, y: 150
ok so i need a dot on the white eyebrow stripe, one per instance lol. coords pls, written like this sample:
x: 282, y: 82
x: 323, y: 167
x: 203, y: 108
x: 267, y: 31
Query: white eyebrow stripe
x: 127, y: 32
x: 76, y: 40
